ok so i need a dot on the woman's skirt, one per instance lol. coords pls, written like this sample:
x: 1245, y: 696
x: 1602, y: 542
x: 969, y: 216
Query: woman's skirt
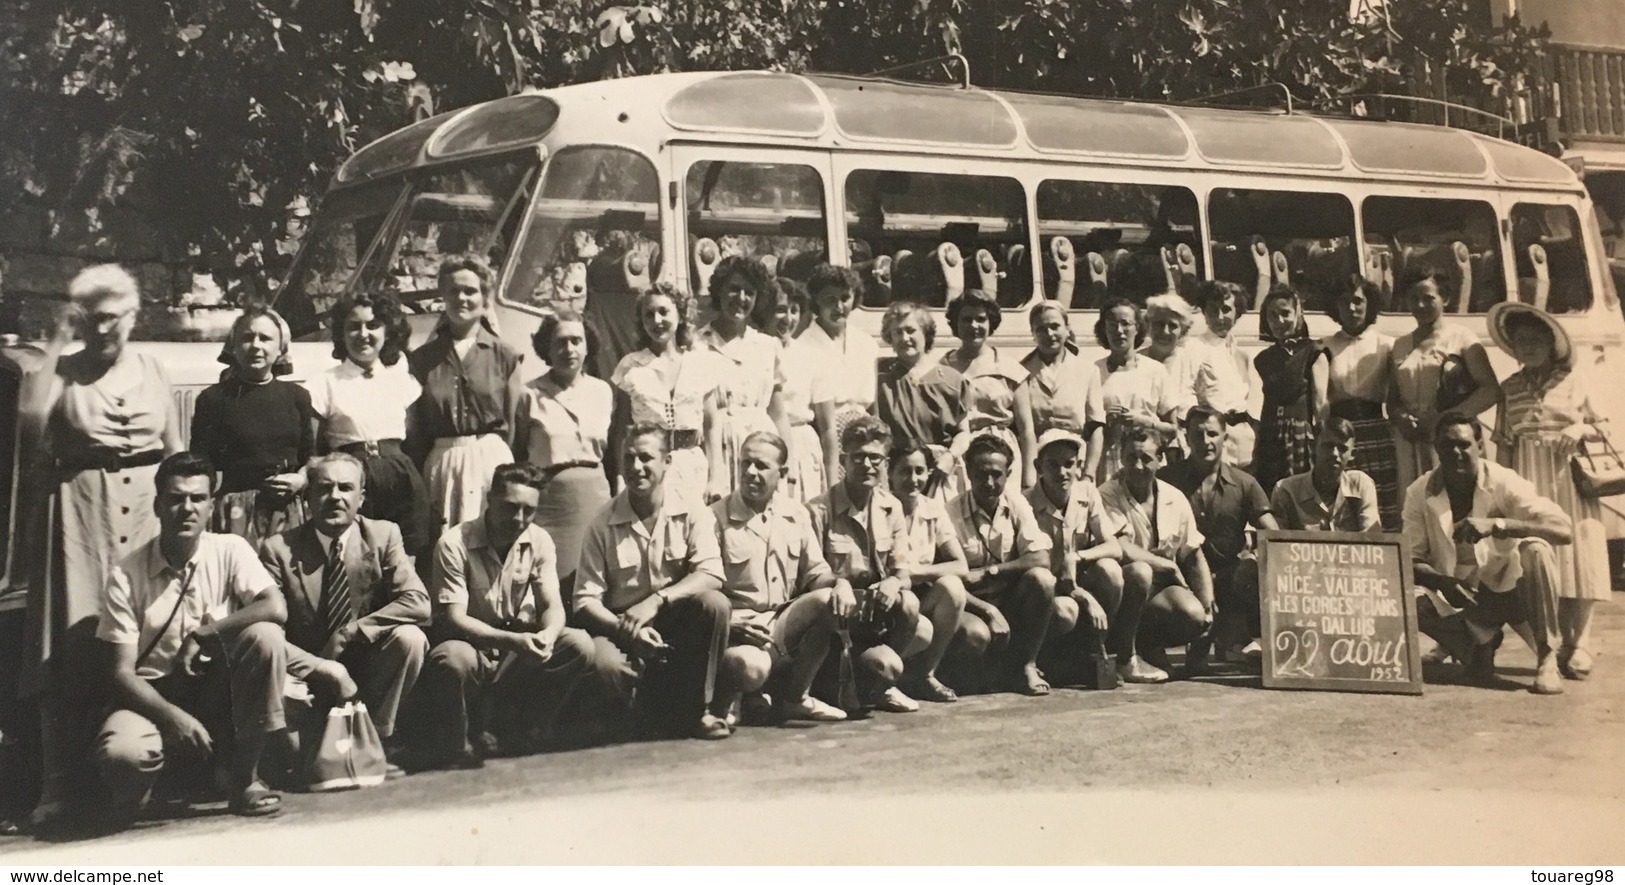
x: 396, y: 492
x: 255, y: 514
x: 806, y: 477
x: 572, y: 498
x: 1286, y: 444
x: 1583, y: 565
x: 1374, y: 453
x: 458, y: 474
x: 736, y: 426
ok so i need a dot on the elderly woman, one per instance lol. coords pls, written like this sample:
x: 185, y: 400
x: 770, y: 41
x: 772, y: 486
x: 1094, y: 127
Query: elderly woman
x: 1168, y: 320
x: 1293, y: 369
x: 750, y: 364
x: 1550, y: 407
x: 362, y: 407
x: 1134, y: 388
x: 257, y: 429
x: 667, y: 384
x: 462, y: 429
x: 780, y: 316
x: 1432, y: 369
x: 99, y: 421
x: 921, y: 402
x: 1062, y: 389
x: 999, y: 403
x: 563, y: 428
x: 1357, y: 381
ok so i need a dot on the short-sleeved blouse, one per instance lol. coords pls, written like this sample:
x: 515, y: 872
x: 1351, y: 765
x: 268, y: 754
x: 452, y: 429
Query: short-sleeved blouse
x: 1065, y: 394
x: 846, y: 368
x: 1544, y: 413
x: 1416, y: 373
x: 357, y: 408
x: 751, y: 368
x: 92, y: 416
x: 668, y: 390
x: 799, y: 365
x: 1141, y: 385
x: 929, y: 408
x: 993, y: 382
x: 565, y: 425
x: 1359, y: 366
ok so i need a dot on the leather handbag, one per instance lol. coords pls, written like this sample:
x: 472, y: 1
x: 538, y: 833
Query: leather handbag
x: 1599, y: 472
x: 350, y: 754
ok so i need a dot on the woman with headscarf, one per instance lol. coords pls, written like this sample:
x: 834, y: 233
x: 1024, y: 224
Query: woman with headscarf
x: 1293, y: 370
x: 1550, y: 406
x: 462, y: 429
x: 257, y: 429
x: 99, y: 421
x: 1358, y: 378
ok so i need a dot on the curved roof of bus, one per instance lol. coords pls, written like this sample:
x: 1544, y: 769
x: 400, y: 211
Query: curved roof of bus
x: 828, y: 110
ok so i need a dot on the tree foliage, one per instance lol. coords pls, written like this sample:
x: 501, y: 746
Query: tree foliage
x: 219, y: 122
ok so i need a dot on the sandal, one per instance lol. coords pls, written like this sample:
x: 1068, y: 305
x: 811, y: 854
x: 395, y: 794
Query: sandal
x: 931, y: 689
x: 1032, y: 683
x: 257, y: 800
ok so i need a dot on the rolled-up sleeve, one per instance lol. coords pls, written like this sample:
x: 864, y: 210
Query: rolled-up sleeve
x: 450, y: 578
x: 704, y: 554
x: 118, y: 623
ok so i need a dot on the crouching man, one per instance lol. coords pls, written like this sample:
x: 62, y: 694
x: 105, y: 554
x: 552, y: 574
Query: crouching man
x: 1480, y: 537
x: 1084, y: 554
x: 194, y: 623
x: 783, y: 593
x: 860, y: 526
x: 1012, y: 604
x: 356, y: 608
x: 505, y: 667
x: 649, y: 591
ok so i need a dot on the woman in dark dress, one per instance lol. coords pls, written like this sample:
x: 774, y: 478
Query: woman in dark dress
x: 924, y: 403
x: 1294, y: 371
x: 257, y: 429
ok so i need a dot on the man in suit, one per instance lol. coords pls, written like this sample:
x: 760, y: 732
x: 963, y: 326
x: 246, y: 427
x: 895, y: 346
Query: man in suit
x: 1480, y: 538
x: 356, y: 608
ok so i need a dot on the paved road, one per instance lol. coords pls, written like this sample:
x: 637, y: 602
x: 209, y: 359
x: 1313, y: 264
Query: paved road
x: 1193, y: 772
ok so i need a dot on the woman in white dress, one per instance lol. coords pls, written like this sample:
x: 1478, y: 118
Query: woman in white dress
x: 1134, y: 388
x: 668, y: 383
x: 749, y: 363
x: 1550, y: 406
x: 781, y: 316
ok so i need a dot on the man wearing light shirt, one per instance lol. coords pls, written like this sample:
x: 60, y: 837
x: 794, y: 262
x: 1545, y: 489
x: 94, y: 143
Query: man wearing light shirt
x: 505, y: 666
x: 1332, y: 497
x: 649, y: 590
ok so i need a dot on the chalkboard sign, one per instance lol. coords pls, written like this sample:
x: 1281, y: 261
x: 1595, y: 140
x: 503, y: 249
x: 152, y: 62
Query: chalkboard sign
x: 1338, y: 612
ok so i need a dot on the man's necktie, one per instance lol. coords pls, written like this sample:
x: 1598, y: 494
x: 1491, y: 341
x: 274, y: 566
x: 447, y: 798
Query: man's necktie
x: 336, y: 604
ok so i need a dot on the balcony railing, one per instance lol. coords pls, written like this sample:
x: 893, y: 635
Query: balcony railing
x: 1590, y: 91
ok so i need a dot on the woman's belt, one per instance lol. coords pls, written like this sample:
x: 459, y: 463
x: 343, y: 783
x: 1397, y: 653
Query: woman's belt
x: 682, y: 439
x: 466, y: 439
x: 1236, y: 419
x: 110, y: 459
x: 553, y: 470
x: 372, y: 448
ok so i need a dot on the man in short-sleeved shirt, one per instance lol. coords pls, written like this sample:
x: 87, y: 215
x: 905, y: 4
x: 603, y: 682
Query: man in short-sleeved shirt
x: 1012, y: 590
x: 194, y: 620
x: 501, y: 632
x: 1332, y: 497
x: 1162, y: 557
x: 1227, y: 502
x: 783, y: 593
x: 860, y: 525
x: 649, y: 587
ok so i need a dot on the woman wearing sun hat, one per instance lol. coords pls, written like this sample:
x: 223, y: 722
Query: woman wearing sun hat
x: 1548, y: 407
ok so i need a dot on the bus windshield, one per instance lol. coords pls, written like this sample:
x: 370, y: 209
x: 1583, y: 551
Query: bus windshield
x: 432, y: 215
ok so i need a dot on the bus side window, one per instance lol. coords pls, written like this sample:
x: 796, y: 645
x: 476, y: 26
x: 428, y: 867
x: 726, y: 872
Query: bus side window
x: 1422, y: 233
x: 1549, y: 251
x: 944, y: 233
x: 1146, y: 238
x: 771, y: 212
x: 1303, y: 239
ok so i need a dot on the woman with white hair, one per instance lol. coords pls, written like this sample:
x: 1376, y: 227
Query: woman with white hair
x: 99, y: 420
x: 1168, y: 320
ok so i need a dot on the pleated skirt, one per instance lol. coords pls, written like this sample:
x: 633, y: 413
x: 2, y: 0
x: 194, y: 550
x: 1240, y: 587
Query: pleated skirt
x: 1582, y: 565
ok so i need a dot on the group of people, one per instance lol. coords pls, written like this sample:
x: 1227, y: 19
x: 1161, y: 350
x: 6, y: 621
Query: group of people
x: 746, y: 522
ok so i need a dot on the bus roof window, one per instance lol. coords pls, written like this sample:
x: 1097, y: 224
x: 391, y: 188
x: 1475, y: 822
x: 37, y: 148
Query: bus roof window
x: 519, y: 120
x: 1121, y: 129
x: 943, y: 232
x: 1103, y: 224
x: 1549, y: 252
x: 1262, y: 139
x: 1303, y: 239
x: 882, y: 111
x: 596, y: 226
x: 751, y: 101
x: 1422, y: 232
